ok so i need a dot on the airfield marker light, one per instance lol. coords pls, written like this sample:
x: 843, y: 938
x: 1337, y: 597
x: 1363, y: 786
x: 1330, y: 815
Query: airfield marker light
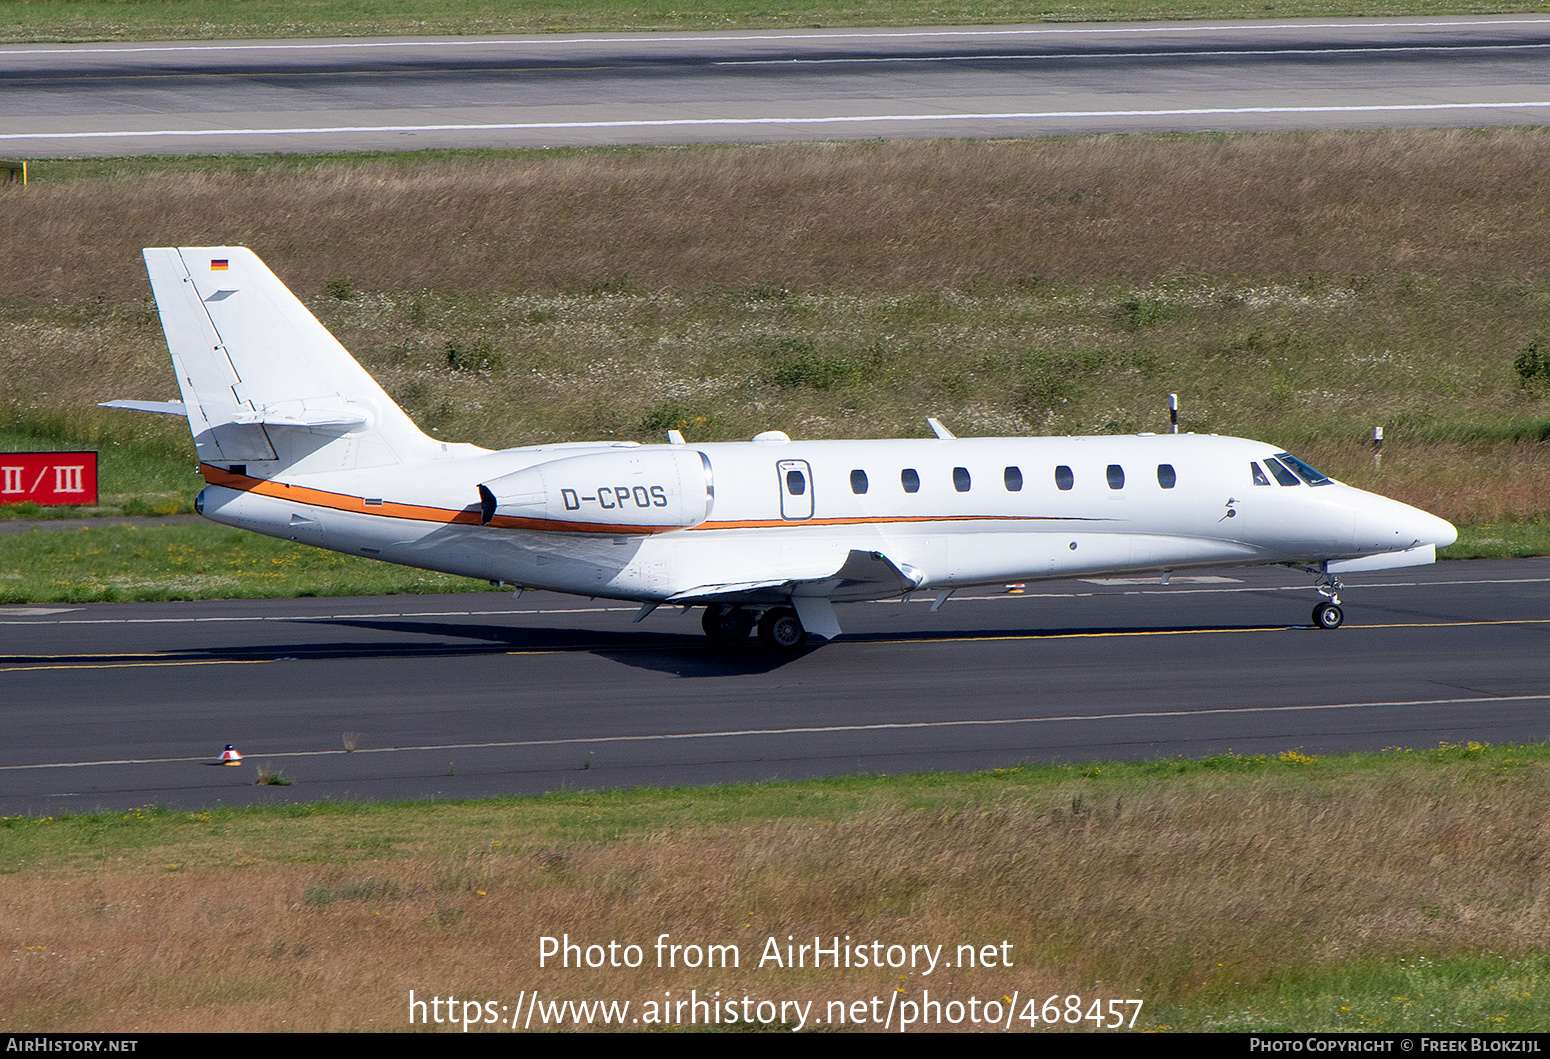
x: 1173, y: 413
x: 229, y: 756
x: 1377, y: 447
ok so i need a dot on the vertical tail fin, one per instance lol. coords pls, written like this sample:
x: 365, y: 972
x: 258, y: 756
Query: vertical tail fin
x: 263, y: 382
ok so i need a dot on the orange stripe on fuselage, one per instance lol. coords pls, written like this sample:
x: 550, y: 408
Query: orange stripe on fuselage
x: 469, y: 516
x: 884, y: 520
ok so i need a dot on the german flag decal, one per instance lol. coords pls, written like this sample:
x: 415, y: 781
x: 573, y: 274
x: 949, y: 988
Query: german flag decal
x: 218, y: 264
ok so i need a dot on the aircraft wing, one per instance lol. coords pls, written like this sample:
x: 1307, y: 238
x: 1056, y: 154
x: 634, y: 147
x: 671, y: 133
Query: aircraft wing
x: 863, y: 575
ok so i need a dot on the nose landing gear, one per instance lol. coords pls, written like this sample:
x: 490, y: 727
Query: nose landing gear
x: 1327, y: 614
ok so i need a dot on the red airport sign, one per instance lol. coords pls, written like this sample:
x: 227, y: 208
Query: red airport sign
x: 48, y: 478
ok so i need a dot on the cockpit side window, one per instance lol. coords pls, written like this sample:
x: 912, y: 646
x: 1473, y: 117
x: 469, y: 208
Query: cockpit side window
x: 1284, y: 476
x: 1259, y: 475
x: 1302, y: 470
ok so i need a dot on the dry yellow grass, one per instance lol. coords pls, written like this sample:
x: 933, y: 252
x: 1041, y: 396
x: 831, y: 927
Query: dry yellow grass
x: 1175, y: 890
x: 870, y: 217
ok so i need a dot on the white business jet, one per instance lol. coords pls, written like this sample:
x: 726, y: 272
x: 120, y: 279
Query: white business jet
x: 296, y: 440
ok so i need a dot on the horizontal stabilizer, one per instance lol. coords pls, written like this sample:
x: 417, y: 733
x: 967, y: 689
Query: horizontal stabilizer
x: 308, y: 417
x: 171, y: 408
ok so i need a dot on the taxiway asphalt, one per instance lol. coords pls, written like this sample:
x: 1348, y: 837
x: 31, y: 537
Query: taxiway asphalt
x: 121, y: 705
x: 569, y: 90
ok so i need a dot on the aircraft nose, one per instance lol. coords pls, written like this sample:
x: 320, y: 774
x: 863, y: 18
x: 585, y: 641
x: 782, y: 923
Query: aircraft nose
x: 1429, y: 529
x: 1385, y: 524
x: 1422, y: 527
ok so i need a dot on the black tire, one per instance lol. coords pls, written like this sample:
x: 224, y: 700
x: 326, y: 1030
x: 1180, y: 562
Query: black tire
x: 781, y: 629
x: 724, y: 624
x: 1328, y: 616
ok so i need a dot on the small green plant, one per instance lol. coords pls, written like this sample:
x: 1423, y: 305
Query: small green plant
x: 1532, y: 366
x: 672, y: 415
x: 272, y: 777
x: 341, y: 289
x: 473, y: 357
x: 796, y: 362
x: 1140, y: 311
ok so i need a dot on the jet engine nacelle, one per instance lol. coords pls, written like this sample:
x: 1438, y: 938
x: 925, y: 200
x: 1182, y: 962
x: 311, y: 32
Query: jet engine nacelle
x: 641, y: 490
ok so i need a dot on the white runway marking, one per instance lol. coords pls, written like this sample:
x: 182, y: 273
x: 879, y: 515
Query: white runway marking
x: 848, y: 119
x: 709, y: 38
x: 814, y: 730
x: 632, y: 608
x: 1132, y: 54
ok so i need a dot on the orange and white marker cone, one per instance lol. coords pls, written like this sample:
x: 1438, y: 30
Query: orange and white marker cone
x: 229, y: 756
x: 1014, y: 590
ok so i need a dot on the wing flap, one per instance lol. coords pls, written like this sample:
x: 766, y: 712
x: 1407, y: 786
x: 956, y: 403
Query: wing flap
x: 863, y: 575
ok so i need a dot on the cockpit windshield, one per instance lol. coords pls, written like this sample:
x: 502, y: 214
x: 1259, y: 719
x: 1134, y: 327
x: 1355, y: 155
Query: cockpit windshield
x: 1302, y: 470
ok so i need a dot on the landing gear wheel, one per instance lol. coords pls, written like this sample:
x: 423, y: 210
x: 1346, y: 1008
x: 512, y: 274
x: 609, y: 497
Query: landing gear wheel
x: 781, y: 629
x: 1328, y: 616
x: 724, y: 624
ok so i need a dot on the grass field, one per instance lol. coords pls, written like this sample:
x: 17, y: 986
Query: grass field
x: 199, y: 561
x: 1397, y: 891
x: 75, y: 20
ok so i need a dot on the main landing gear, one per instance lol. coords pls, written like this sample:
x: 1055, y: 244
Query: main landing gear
x: 779, y: 627
x: 724, y: 624
x: 1327, y: 614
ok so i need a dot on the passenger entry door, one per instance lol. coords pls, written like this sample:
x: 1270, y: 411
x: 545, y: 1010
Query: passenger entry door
x: 796, y: 489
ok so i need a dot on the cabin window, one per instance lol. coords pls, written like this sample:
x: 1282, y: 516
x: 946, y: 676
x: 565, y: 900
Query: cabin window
x: 910, y: 479
x: 1284, y: 476
x: 1063, y: 477
x: 1302, y: 470
x: 961, y: 480
x: 1013, y: 476
x: 796, y: 483
x: 1259, y: 475
x: 858, y: 483
x: 1165, y: 476
x: 1116, y: 475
